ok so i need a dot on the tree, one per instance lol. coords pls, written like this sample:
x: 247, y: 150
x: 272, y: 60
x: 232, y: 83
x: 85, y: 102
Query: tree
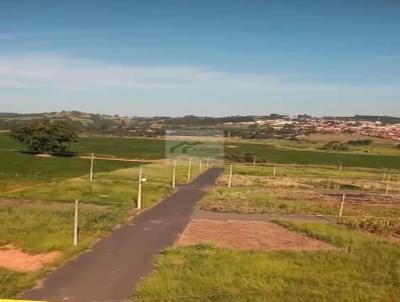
x: 45, y: 136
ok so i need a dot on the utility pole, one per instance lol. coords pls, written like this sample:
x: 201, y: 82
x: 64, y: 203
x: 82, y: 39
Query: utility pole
x: 91, y: 167
x: 139, y: 197
x: 76, y: 222
x: 230, y: 176
x: 189, y: 168
x: 174, y: 174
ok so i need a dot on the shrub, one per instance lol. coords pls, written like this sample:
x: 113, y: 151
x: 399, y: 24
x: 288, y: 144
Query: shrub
x: 334, y: 146
x: 378, y: 225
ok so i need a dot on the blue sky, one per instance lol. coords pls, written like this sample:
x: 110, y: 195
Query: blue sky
x: 200, y: 57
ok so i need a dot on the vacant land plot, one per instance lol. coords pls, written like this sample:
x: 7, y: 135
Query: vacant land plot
x: 305, y: 190
x: 19, y: 170
x: 39, y: 219
x: 248, y: 235
x: 363, y: 268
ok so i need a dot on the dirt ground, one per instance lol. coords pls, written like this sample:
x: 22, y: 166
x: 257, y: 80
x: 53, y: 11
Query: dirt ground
x: 16, y: 260
x: 248, y: 235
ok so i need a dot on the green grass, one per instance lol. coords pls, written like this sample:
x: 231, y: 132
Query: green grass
x: 363, y: 269
x: 108, y: 188
x: 40, y: 218
x: 253, y: 200
x: 19, y: 170
x: 303, y: 190
x: 315, y: 171
x: 121, y: 147
x: 43, y: 227
x: 274, y: 155
x: 155, y: 149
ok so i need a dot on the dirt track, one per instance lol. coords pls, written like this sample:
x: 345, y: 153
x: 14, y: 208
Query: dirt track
x: 116, y: 264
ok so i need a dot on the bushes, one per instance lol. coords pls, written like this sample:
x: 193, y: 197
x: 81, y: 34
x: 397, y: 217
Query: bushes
x: 360, y: 142
x: 334, y: 146
x: 376, y: 225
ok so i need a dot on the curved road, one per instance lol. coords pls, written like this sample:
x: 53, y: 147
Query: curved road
x: 114, y: 266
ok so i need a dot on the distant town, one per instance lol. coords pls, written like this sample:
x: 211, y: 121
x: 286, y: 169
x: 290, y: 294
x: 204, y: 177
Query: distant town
x: 305, y: 125
x: 248, y: 127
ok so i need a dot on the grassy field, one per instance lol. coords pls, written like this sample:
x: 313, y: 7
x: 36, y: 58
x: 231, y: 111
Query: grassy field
x: 314, y: 142
x: 263, y: 149
x: 304, y: 190
x: 40, y: 217
x: 275, y: 155
x: 364, y: 268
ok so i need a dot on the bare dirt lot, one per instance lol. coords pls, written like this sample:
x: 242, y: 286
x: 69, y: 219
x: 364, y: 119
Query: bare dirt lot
x: 16, y: 260
x: 248, y: 235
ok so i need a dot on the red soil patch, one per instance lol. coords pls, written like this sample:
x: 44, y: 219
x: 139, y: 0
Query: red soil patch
x: 248, y: 235
x: 16, y: 260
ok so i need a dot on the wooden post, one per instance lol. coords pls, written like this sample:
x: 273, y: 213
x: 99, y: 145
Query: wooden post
x: 174, y: 174
x: 139, y: 197
x: 208, y: 162
x: 342, y: 205
x: 388, y: 184
x: 254, y: 162
x: 91, y: 167
x: 76, y: 222
x: 341, y: 167
x: 189, y: 168
x: 230, y: 176
x: 384, y: 175
x: 274, y: 173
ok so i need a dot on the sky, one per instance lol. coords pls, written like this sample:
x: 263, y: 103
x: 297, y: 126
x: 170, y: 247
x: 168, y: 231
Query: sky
x: 201, y: 57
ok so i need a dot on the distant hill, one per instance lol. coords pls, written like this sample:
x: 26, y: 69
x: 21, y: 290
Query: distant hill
x: 102, y: 124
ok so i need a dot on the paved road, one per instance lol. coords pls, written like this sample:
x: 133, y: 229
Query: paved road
x: 114, y: 266
x: 201, y: 214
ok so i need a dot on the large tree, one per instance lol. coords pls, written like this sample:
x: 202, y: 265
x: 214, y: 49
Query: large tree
x: 45, y: 136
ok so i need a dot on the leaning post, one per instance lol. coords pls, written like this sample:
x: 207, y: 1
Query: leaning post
x: 91, y: 167
x: 342, y: 205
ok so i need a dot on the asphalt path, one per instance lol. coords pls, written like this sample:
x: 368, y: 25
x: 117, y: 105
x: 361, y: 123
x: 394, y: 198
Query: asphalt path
x: 115, y: 265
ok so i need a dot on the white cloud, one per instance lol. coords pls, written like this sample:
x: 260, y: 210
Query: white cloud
x: 232, y: 93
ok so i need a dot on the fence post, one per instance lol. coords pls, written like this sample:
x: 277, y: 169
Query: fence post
x: 174, y: 174
x: 388, y: 184
x: 342, y: 205
x: 208, y: 162
x: 189, y: 168
x: 384, y: 176
x: 139, y: 198
x: 341, y: 167
x: 230, y: 176
x: 76, y: 222
x: 91, y: 167
x: 274, y: 173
